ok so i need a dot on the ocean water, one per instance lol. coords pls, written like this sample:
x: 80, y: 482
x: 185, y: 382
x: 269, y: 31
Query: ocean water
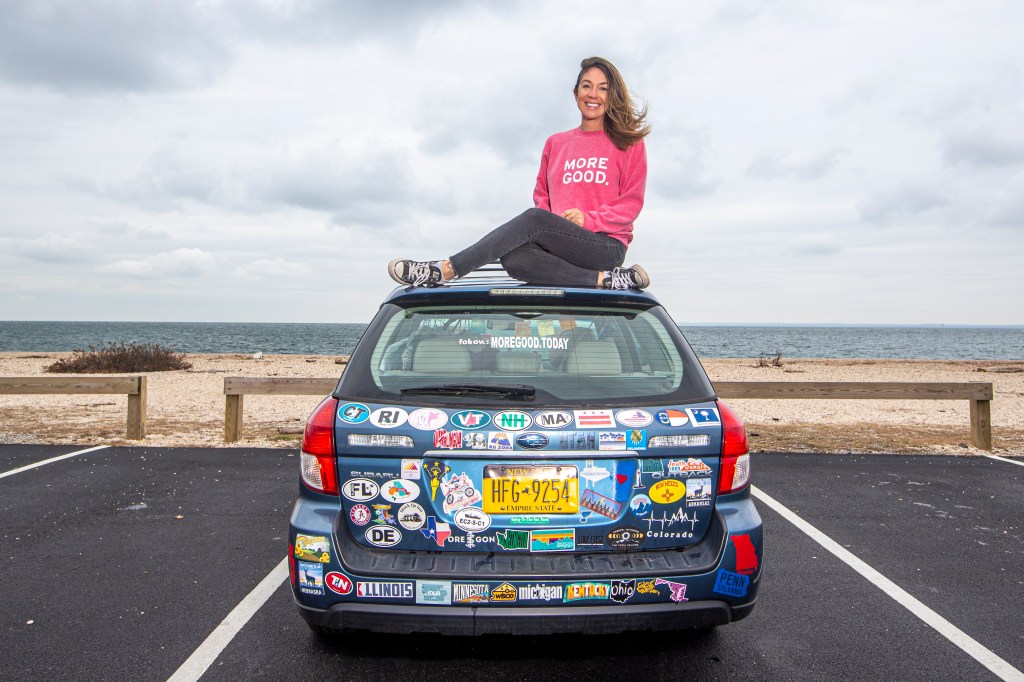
x: 911, y: 343
x: 923, y: 342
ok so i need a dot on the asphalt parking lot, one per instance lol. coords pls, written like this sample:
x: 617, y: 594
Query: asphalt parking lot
x: 119, y: 564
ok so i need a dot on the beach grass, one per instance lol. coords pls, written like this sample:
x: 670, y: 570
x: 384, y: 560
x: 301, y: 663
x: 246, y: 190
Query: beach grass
x: 121, y: 358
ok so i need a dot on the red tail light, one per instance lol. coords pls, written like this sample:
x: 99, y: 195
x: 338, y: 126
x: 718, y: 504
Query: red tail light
x: 291, y: 563
x: 735, y: 471
x: 317, y: 454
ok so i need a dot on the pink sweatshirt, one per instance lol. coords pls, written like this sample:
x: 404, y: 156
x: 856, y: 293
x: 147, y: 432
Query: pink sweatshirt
x: 585, y: 170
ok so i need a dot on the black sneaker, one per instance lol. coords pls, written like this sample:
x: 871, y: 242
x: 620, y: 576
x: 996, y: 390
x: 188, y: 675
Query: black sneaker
x: 417, y: 273
x: 633, y: 277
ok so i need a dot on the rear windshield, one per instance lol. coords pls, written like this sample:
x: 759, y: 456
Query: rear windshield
x: 536, y: 355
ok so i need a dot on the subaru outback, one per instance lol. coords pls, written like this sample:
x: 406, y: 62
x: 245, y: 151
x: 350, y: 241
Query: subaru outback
x: 506, y: 458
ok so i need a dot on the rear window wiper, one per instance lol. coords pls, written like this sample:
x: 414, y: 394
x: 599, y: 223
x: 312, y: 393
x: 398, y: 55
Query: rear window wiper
x: 522, y: 391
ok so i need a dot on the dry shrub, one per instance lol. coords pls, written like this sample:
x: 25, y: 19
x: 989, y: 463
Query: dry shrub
x: 764, y: 361
x: 121, y: 357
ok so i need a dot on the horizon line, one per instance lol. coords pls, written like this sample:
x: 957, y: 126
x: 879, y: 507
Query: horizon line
x: 936, y: 325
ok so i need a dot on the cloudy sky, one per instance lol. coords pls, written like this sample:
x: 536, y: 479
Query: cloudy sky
x: 244, y: 160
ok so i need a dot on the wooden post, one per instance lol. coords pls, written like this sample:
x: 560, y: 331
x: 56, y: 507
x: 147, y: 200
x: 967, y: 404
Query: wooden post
x: 137, y: 410
x: 232, y: 418
x: 981, y: 424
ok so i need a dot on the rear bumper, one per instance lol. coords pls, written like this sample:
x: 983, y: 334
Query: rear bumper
x: 466, y: 593
x: 357, y: 559
x: 468, y: 621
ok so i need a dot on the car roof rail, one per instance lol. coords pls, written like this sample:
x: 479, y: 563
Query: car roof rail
x: 491, y: 273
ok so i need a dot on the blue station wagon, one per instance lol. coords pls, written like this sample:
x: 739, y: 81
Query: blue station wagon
x: 505, y: 458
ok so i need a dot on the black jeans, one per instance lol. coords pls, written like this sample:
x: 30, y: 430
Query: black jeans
x: 540, y: 247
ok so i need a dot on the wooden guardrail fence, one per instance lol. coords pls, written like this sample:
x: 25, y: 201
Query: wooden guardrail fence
x: 236, y: 387
x: 132, y: 386
x: 979, y: 395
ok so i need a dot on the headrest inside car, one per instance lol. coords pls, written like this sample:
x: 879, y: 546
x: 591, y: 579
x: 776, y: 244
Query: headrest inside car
x: 594, y: 357
x: 518, y: 362
x: 441, y: 355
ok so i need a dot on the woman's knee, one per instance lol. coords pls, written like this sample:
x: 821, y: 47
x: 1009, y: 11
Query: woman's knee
x: 517, y: 262
x: 539, y: 219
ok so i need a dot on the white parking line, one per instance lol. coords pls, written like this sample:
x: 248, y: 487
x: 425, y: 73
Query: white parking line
x: 201, y: 659
x: 971, y: 646
x: 50, y: 461
x: 1004, y: 459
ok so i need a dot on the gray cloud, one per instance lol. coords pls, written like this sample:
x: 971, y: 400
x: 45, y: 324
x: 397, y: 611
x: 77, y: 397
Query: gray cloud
x: 770, y: 166
x: 273, y: 269
x: 1008, y: 210
x: 120, y: 46
x: 984, y: 147
x: 361, y: 188
x: 679, y: 164
x: 125, y: 231
x: 165, y: 182
x: 901, y: 201
x: 183, y: 262
x: 733, y: 13
x: 814, y: 247
x: 518, y: 140
x: 517, y: 135
x: 379, y: 188
x: 55, y: 248
x: 331, y: 21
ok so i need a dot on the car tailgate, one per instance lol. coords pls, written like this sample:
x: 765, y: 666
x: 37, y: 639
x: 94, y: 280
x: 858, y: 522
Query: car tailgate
x: 524, y: 482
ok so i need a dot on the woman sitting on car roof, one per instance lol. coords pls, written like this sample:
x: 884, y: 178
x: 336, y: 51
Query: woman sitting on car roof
x: 590, y: 189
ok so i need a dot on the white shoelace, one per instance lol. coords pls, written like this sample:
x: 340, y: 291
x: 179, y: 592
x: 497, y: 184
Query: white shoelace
x: 420, y: 273
x: 621, y: 279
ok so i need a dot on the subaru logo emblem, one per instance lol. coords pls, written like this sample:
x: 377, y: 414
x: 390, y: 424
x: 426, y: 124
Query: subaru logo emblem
x: 532, y: 440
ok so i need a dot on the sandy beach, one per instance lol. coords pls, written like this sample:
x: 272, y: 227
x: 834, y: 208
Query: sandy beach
x: 186, y: 407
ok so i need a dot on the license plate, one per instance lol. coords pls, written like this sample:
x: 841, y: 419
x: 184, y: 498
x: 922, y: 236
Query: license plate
x: 546, y: 489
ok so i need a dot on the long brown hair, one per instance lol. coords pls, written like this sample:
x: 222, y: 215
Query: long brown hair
x: 624, y: 123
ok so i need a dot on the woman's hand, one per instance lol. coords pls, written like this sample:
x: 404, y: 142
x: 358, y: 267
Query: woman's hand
x: 574, y: 215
